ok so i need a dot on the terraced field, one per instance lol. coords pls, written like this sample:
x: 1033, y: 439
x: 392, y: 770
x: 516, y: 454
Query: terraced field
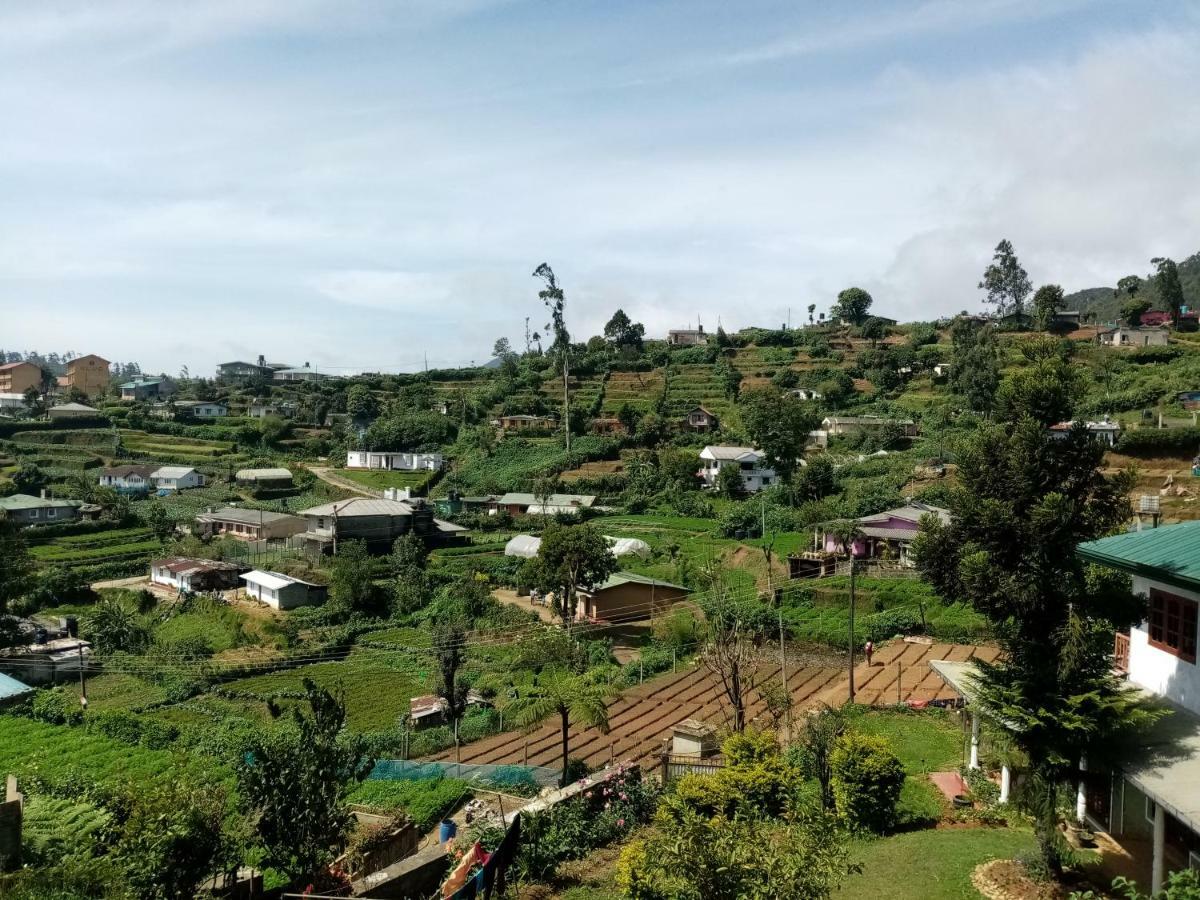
x: 697, y: 386
x: 641, y: 390
x: 174, y: 448
x: 642, y: 719
x: 98, y: 547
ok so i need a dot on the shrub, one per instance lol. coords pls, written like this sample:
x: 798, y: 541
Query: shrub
x: 867, y: 780
x: 1159, y: 442
x: 56, y: 707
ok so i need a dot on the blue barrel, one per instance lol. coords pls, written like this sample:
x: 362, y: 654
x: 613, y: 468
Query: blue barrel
x: 448, y: 830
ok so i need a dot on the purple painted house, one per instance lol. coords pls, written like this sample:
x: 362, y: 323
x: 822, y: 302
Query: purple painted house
x: 885, y: 534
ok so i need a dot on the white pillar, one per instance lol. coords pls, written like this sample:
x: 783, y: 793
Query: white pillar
x: 1160, y: 840
x: 1005, y: 783
x: 1081, y: 791
x: 974, y: 763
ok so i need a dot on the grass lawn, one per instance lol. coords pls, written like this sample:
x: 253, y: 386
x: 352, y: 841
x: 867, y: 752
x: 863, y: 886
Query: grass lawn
x: 380, y: 479
x: 929, y: 865
x: 925, y: 740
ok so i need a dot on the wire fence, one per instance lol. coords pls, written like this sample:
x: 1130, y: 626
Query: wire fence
x: 513, y: 776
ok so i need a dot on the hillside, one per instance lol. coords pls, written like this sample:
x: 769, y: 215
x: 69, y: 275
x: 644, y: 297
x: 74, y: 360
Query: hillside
x: 1106, y: 305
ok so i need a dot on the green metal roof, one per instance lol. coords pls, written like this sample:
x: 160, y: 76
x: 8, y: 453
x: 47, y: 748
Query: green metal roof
x: 1169, y: 554
x: 619, y: 578
x: 24, y: 501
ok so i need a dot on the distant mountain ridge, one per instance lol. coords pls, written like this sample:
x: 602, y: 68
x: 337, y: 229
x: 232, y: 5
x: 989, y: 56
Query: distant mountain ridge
x: 1107, y: 306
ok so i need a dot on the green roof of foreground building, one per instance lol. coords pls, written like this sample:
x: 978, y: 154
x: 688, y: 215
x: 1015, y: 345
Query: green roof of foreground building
x: 1170, y: 554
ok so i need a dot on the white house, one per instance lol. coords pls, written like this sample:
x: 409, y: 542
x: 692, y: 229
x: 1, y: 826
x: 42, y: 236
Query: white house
x: 749, y: 462
x: 132, y: 479
x: 298, y: 373
x: 283, y: 591
x: 1156, y: 800
x: 396, y: 461
x: 176, y: 478
x: 201, y: 409
x: 1125, y: 336
x: 806, y: 394
x: 185, y: 574
x: 1106, y: 432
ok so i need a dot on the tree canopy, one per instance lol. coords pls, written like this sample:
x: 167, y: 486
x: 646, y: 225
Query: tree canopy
x: 852, y: 305
x: 1006, y: 283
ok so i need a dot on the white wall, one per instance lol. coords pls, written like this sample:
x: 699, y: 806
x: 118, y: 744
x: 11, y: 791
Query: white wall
x: 1159, y: 671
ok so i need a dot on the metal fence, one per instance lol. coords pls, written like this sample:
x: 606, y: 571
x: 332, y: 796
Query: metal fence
x: 498, y: 776
x: 677, y: 765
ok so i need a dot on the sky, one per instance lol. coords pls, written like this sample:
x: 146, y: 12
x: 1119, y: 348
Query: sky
x: 369, y: 185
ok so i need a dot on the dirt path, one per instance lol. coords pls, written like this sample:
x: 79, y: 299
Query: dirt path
x: 326, y: 474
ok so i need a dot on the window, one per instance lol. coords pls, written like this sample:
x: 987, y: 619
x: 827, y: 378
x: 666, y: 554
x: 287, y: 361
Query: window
x: 51, y: 513
x: 1173, y: 623
x: 33, y: 513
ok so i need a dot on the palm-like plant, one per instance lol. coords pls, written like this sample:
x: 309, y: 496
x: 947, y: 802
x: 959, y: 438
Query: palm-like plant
x: 845, y: 532
x: 570, y: 697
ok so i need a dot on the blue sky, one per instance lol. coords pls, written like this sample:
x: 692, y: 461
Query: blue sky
x: 361, y: 184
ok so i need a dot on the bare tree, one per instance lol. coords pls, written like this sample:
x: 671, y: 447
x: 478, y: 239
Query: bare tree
x: 552, y: 295
x: 732, y: 650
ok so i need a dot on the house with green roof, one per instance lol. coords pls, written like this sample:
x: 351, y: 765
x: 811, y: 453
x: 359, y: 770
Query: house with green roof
x: 628, y: 597
x: 1152, y: 806
x: 23, y: 510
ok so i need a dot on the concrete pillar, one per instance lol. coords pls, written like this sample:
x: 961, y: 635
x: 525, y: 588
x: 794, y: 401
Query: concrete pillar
x: 1005, y: 783
x: 974, y: 763
x: 1080, y: 791
x: 1160, y: 843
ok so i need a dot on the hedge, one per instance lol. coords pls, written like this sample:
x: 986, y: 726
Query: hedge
x: 1159, y: 442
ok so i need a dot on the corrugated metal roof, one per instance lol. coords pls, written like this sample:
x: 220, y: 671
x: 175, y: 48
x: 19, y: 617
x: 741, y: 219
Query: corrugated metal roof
x: 244, y: 516
x: 734, y: 453
x: 73, y: 407
x: 25, y: 501
x: 173, y: 472
x: 261, y: 474
x: 1170, y: 554
x: 360, y: 506
x: 10, y: 687
x: 619, y: 578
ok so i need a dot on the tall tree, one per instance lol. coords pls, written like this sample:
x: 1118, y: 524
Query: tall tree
x: 975, y: 364
x: 555, y: 301
x: 779, y: 424
x: 812, y: 308
x: 17, y: 571
x: 294, y: 781
x: 572, y: 558
x: 852, y: 305
x: 1047, y: 301
x: 1026, y: 500
x: 449, y: 646
x: 571, y: 697
x: 1007, y: 284
x: 624, y: 334
x: 1170, y: 289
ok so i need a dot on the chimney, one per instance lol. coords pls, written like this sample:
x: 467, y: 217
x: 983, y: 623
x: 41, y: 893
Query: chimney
x: 262, y: 361
x: 43, y: 493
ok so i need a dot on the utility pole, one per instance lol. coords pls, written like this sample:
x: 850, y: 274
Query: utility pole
x: 783, y: 678
x: 83, y: 701
x: 527, y: 344
x: 852, y: 567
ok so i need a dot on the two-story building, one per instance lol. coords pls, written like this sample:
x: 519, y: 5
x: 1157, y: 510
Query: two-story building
x: 240, y: 371
x: 397, y: 461
x: 89, y: 374
x: 749, y: 462
x: 1152, y: 805
x: 376, y: 522
x: 687, y: 337
x: 885, y: 536
x: 141, y: 389
x: 18, y: 377
x: 700, y: 420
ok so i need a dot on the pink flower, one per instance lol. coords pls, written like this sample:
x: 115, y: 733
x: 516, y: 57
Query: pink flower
x: 620, y: 823
x: 623, y: 797
x: 607, y: 805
